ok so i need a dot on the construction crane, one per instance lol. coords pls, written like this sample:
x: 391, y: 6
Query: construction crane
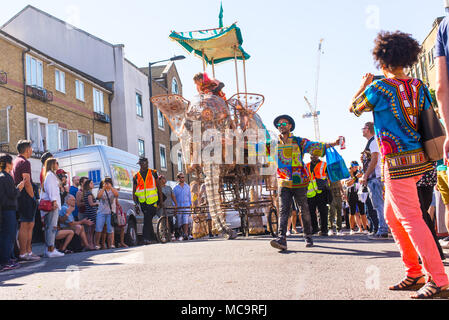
x: 313, y: 109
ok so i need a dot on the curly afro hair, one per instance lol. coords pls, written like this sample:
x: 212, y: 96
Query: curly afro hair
x: 395, y: 49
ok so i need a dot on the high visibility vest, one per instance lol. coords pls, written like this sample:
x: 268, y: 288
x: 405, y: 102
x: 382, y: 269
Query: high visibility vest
x: 319, y: 172
x: 146, y: 191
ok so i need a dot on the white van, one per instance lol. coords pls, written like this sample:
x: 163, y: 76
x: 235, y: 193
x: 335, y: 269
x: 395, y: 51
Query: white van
x: 97, y: 162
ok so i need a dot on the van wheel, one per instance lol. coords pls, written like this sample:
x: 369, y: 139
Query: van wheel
x: 131, y: 234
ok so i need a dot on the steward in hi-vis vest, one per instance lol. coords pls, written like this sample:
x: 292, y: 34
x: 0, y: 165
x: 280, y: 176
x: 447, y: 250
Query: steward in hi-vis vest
x: 318, y: 194
x: 146, y: 193
x: 318, y: 177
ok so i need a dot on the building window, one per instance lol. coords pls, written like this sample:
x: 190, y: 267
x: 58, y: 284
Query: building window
x: 79, y: 88
x: 141, y: 147
x: 174, y: 86
x: 63, y: 139
x: 179, y: 161
x: 83, y: 140
x: 163, y: 156
x: 37, y: 132
x: 100, y: 140
x: 34, y: 72
x: 160, y: 120
x: 139, y: 109
x: 60, y: 81
x: 98, y: 101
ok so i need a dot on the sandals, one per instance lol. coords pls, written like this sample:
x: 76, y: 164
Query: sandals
x: 67, y: 251
x: 408, y: 284
x: 429, y: 291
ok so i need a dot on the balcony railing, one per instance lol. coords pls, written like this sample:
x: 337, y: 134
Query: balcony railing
x: 102, y: 117
x: 3, y: 77
x: 39, y: 93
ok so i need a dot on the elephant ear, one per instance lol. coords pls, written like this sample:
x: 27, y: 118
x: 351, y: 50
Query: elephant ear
x: 174, y: 108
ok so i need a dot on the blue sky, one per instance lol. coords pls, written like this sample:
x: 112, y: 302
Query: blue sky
x: 281, y: 36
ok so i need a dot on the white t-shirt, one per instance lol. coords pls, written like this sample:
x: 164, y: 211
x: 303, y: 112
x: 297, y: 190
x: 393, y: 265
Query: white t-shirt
x: 374, y: 147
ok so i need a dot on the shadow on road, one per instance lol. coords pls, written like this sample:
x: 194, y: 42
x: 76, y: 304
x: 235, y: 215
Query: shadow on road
x: 68, y: 263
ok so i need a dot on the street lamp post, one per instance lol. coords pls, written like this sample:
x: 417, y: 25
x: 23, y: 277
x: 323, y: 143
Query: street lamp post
x: 150, y: 87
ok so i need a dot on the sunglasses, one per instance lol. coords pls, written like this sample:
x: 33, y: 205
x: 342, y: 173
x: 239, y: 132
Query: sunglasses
x: 282, y: 124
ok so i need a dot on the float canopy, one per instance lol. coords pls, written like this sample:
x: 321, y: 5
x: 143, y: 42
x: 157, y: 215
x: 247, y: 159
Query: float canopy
x: 215, y: 45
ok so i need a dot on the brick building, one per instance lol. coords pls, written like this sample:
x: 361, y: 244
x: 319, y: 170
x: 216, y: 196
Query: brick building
x: 425, y: 68
x: 49, y: 102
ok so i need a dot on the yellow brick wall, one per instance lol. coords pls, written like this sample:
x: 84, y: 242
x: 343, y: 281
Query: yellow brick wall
x: 65, y: 109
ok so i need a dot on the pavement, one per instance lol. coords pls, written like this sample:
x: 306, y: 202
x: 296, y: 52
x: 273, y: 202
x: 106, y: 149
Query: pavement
x: 336, y: 268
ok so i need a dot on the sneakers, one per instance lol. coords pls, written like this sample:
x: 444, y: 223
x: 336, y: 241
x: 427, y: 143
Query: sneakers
x: 330, y: 233
x: 180, y: 238
x: 9, y: 266
x: 279, y: 243
x: 33, y: 256
x: 54, y: 254
x: 322, y: 234
x: 288, y: 234
x: 309, y: 242
x: 190, y: 237
x: 25, y: 257
x: 365, y: 231
x: 378, y: 236
x: 340, y: 233
x: 229, y: 234
x: 352, y: 232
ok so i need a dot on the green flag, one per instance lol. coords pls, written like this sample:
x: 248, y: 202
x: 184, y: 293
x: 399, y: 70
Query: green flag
x: 220, y: 16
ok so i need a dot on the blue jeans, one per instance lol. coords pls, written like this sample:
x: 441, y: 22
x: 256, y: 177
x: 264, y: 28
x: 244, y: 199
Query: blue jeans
x: 375, y: 190
x: 7, y: 235
x: 51, y: 227
x: 101, y: 220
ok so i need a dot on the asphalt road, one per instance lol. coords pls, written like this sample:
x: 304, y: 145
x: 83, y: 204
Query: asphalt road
x: 338, y: 267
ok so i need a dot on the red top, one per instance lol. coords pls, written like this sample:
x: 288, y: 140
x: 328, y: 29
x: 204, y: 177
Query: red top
x: 20, y: 166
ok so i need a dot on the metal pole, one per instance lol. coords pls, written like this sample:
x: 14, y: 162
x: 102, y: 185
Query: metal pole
x: 236, y: 70
x: 204, y: 61
x: 213, y: 68
x: 244, y: 74
x: 150, y: 87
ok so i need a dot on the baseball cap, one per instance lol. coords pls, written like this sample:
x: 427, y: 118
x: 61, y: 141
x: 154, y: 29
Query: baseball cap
x: 60, y: 171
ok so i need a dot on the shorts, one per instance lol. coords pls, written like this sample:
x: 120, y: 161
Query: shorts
x: 101, y: 220
x: 443, y: 186
x: 355, y: 204
x: 26, y: 209
x: 182, y: 219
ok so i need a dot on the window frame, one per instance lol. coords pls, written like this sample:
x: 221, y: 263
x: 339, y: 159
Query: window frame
x: 160, y: 120
x: 29, y: 71
x: 140, y: 142
x: 78, y: 85
x: 161, y: 146
x: 174, y: 81
x: 60, y: 142
x: 60, y: 81
x: 139, y: 107
x: 96, y: 93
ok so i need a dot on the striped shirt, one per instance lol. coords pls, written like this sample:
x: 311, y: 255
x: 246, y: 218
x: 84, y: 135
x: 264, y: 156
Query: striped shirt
x: 90, y: 212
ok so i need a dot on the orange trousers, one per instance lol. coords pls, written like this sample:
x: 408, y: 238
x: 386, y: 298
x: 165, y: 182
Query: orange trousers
x: 404, y: 217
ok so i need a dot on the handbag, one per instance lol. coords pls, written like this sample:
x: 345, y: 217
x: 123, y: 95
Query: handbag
x: 336, y: 167
x: 45, y: 205
x: 432, y: 133
x: 121, y: 215
x: 114, y: 221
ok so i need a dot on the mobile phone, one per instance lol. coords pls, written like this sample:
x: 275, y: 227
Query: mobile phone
x: 378, y: 78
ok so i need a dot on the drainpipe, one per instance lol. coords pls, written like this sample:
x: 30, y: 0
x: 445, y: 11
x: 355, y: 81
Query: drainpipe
x: 25, y: 92
x: 110, y: 97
